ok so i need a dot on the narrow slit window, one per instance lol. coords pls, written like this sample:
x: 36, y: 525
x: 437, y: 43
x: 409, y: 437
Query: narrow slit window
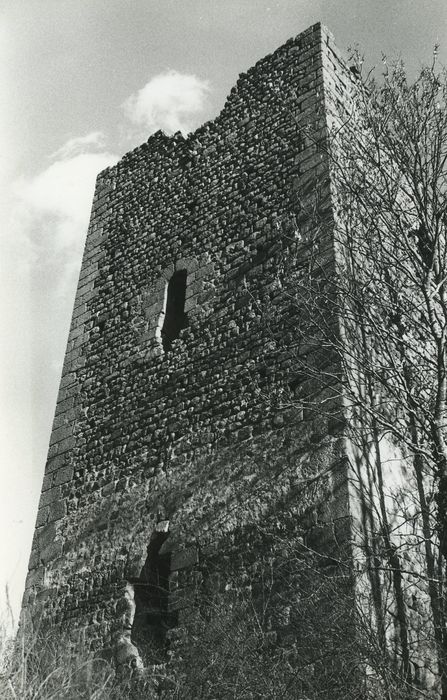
x: 175, y: 317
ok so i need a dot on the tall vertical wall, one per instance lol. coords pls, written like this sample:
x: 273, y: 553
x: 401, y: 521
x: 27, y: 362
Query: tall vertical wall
x: 216, y: 435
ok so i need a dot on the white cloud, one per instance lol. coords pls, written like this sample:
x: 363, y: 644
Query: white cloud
x: 45, y: 223
x: 79, y: 144
x: 62, y: 195
x: 170, y: 101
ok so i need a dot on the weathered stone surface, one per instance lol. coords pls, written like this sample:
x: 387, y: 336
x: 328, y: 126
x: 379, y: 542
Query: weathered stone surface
x: 63, y: 475
x: 184, y: 558
x: 51, y: 552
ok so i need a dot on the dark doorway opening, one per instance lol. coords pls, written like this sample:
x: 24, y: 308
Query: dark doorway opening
x: 175, y: 317
x: 152, y: 617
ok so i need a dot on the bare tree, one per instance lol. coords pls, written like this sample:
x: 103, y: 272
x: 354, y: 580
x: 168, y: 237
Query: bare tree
x: 388, y: 153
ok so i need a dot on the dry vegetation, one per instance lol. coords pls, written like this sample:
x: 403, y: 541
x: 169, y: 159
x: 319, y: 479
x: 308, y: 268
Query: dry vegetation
x: 294, y: 632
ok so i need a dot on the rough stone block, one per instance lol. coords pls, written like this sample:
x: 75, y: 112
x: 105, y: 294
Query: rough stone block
x: 63, y: 475
x: 49, y: 496
x: 184, y: 558
x: 51, y: 552
x: 42, y: 516
x: 181, y: 599
x: 56, y: 511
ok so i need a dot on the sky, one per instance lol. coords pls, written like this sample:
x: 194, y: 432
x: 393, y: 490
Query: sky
x: 84, y: 81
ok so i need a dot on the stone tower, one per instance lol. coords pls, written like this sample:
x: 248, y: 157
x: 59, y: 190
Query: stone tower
x: 182, y: 426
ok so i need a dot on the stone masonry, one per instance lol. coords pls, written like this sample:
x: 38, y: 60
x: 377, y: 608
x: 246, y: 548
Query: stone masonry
x: 182, y: 422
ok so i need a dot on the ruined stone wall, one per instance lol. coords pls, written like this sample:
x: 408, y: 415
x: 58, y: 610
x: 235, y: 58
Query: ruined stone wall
x: 215, y: 434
